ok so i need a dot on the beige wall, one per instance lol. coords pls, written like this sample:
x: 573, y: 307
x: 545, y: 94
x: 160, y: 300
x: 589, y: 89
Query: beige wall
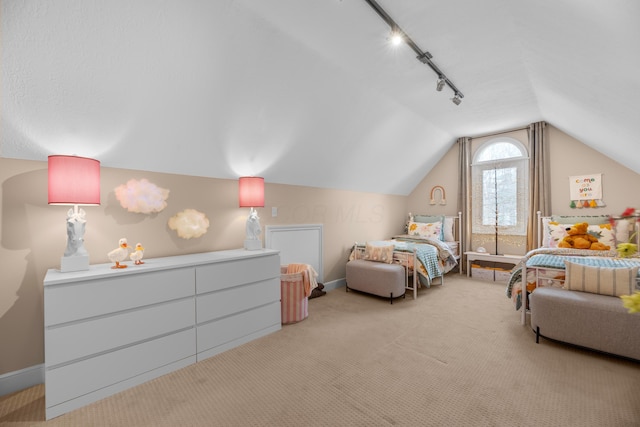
x: 33, y: 234
x: 33, y: 237
x: 568, y: 157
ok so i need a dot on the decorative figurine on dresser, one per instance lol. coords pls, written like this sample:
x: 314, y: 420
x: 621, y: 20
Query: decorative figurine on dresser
x: 119, y: 254
x: 137, y: 254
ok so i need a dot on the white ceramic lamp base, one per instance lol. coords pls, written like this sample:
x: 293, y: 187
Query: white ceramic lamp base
x: 74, y: 263
x: 252, y: 244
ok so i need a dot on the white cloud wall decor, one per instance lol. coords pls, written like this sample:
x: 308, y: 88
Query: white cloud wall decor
x: 189, y: 223
x: 142, y: 196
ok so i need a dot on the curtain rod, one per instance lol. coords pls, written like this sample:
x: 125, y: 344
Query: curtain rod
x: 500, y: 133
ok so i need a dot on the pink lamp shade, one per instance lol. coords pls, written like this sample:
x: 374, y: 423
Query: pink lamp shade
x: 74, y: 181
x: 251, y: 192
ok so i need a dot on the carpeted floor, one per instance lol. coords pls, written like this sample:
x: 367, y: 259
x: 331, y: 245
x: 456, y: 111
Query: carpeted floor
x: 456, y: 356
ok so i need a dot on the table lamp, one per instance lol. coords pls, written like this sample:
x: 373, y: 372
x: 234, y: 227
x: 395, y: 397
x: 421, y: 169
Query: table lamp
x: 74, y: 181
x: 251, y: 195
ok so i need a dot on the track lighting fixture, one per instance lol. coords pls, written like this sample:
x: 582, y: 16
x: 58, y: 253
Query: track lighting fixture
x: 398, y: 36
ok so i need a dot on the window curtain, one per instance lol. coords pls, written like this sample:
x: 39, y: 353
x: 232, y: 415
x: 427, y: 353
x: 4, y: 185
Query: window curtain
x: 539, y: 178
x: 464, y: 195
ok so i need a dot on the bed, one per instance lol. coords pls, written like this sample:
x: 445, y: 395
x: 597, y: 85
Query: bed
x: 430, y: 242
x: 545, y: 266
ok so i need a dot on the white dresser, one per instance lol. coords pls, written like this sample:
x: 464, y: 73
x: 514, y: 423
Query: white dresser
x: 107, y: 330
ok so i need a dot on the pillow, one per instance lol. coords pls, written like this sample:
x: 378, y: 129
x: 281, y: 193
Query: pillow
x: 546, y: 232
x: 556, y: 232
x: 379, y: 253
x: 614, y: 281
x: 426, y: 230
x: 603, y: 232
x: 428, y: 219
x: 448, y: 234
x: 622, y: 231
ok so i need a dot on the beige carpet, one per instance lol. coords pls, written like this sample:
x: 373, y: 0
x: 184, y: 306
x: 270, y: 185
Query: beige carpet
x: 456, y: 356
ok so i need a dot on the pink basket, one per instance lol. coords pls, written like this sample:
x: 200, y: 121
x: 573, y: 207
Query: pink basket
x: 295, y: 305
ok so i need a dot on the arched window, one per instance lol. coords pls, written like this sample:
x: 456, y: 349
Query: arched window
x: 500, y: 185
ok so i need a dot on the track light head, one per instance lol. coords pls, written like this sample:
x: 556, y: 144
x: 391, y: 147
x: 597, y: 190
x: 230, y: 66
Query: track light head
x: 456, y: 99
x: 396, y: 37
x: 440, y: 83
x: 425, y: 57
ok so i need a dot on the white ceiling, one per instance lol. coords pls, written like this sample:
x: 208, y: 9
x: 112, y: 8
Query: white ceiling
x: 308, y: 92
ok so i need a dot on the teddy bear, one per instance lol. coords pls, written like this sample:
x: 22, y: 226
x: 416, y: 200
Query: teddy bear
x: 579, y: 238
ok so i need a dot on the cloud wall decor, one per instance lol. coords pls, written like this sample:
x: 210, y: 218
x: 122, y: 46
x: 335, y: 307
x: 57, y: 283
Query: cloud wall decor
x: 142, y: 196
x: 189, y: 223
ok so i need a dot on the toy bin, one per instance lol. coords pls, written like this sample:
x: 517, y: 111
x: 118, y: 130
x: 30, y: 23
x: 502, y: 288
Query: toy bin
x: 294, y: 302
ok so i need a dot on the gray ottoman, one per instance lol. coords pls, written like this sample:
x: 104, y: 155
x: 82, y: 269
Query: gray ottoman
x: 377, y: 278
x: 593, y: 321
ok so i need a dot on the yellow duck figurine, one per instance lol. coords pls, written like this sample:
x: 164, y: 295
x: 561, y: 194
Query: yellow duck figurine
x: 120, y: 254
x: 137, y: 254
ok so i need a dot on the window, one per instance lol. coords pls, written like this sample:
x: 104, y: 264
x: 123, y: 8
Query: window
x: 500, y: 188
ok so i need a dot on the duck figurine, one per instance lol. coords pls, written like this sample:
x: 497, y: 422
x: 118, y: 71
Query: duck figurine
x: 119, y: 254
x: 137, y: 254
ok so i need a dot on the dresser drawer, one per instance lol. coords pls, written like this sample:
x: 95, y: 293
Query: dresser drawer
x: 233, y: 300
x: 215, y: 277
x: 83, y: 339
x: 236, y: 327
x: 80, y: 300
x: 86, y: 376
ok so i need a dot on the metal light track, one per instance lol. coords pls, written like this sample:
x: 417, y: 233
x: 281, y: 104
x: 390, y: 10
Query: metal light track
x: 423, y: 56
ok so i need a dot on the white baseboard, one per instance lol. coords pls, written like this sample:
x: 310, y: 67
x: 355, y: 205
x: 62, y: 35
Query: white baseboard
x: 335, y: 284
x: 19, y: 380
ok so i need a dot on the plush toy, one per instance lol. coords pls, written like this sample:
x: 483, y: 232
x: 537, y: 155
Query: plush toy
x: 579, y: 238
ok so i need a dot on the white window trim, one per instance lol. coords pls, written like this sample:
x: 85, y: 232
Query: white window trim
x: 521, y: 164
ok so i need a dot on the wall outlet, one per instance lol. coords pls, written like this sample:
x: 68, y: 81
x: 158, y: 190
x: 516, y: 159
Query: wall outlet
x: 274, y: 211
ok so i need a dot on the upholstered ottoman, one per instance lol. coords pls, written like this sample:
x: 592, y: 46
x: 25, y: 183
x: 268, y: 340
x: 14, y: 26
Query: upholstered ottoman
x: 598, y: 322
x: 377, y: 278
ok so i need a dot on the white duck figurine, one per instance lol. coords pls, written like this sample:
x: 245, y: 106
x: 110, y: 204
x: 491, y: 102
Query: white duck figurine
x: 120, y: 254
x: 137, y: 254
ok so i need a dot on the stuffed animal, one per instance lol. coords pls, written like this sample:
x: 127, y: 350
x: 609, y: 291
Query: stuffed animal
x: 579, y: 238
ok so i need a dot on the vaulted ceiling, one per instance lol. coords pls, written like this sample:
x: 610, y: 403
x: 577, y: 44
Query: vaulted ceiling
x: 309, y: 92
